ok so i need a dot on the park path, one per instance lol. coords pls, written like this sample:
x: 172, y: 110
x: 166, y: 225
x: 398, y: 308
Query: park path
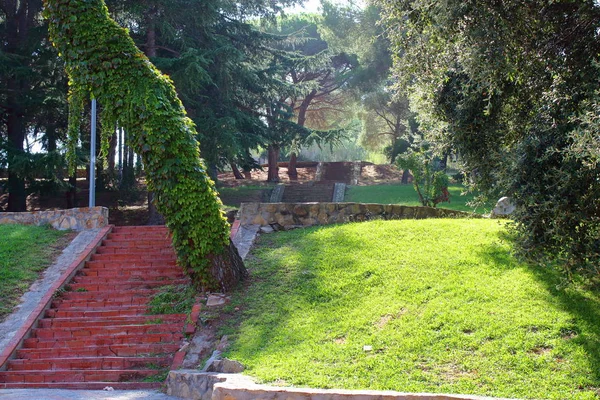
x: 97, y: 333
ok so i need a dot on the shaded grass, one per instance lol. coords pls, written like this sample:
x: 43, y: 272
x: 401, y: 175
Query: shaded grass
x: 25, y: 251
x: 442, y: 303
x: 406, y: 195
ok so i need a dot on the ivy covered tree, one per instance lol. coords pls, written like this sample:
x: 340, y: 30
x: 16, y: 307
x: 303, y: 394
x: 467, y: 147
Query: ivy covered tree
x: 103, y: 62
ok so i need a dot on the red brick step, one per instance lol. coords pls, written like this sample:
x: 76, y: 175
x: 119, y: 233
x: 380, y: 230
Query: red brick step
x: 77, y: 375
x: 80, y: 363
x: 109, y: 321
x: 112, y: 350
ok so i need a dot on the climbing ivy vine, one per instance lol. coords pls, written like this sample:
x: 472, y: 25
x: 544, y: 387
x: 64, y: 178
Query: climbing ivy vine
x: 103, y: 62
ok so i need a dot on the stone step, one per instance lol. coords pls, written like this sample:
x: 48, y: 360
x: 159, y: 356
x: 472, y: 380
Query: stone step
x: 104, y: 350
x: 84, y: 363
x: 122, y: 279
x: 91, y: 265
x: 83, y: 331
x: 131, y: 271
x: 139, y: 243
x: 110, y: 321
x: 97, y: 305
x: 133, y: 257
x: 80, y: 375
x: 84, y: 385
x: 114, y: 295
x: 100, y: 312
x: 103, y: 340
x: 120, y: 286
x: 140, y: 228
x: 157, y: 235
x: 161, y: 251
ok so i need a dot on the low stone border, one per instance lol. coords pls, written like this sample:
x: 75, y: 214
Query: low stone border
x: 189, y: 329
x: 191, y: 384
x: 296, y: 215
x: 77, y: 219
x: 277, y: 193
x: 25, y: 330
x: 339, y: 192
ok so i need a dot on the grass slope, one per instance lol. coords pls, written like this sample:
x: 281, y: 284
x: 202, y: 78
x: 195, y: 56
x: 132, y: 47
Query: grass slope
x: 25, y: 251
x: 406, y: 195
x: 442, y: 303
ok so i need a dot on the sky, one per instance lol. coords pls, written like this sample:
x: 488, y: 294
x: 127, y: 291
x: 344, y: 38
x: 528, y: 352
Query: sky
x: 315, y: 5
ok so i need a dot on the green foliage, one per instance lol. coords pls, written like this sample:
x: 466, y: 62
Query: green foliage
x: 513, y: 88
x: 102, y: 61
x: 443, y: 303
x: 430, y: 183
x: 25, y: 251
x: 172, y: 299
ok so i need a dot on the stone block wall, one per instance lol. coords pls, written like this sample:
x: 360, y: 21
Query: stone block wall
x: 296, y: 215
x: 77, y: 219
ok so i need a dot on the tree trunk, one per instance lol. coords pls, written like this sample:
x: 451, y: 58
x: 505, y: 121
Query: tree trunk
x: 120, y: 155
x: 17, y: 197
x: 247, y: 175
x: 100, y: 173
x: 236, y: 172
x: 405, y: 176
x: 273, y: 173
x: 213, y: 172
x: 444, y: 162
x: 292, y: 171
x: 51, y: 137
x: 150, y: 49
x: 72, y: 192
x: 128, y: 178
x: 302, y: 109
x: 154, y: 217
x: 228, y: 268
x: 112, y: 148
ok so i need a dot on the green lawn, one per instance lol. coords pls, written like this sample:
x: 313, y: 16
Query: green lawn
x: 406, y: 195
x: 442, y: 304
x: 25, y: 251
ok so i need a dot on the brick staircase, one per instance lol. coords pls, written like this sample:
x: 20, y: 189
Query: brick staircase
x: 304, y: 193
x: 97, y: 333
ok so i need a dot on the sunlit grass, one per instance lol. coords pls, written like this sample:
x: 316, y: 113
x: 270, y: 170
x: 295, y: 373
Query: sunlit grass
x: 406, y: 195
x: 442, y: 303
x: 25, y: 251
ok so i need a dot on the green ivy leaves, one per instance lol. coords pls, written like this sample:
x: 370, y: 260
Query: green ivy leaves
x: 102, y: 59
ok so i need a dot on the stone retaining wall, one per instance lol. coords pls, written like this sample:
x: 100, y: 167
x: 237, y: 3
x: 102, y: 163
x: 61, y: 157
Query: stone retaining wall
x: 77, y: 219
x: 296, y: 215
x: 194, y: 385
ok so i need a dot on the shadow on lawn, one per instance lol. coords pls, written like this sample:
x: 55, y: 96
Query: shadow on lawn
x: 290, y: 294
x: 585, y: 310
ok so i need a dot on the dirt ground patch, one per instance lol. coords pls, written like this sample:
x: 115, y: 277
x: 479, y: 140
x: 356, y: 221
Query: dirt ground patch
x: 377, y: 174
x: 226, y: 179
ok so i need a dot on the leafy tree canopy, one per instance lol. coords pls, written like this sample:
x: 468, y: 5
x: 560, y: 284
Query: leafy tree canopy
x: 512, y: 86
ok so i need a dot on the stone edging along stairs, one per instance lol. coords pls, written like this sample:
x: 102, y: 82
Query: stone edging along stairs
x: 97, y: 333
